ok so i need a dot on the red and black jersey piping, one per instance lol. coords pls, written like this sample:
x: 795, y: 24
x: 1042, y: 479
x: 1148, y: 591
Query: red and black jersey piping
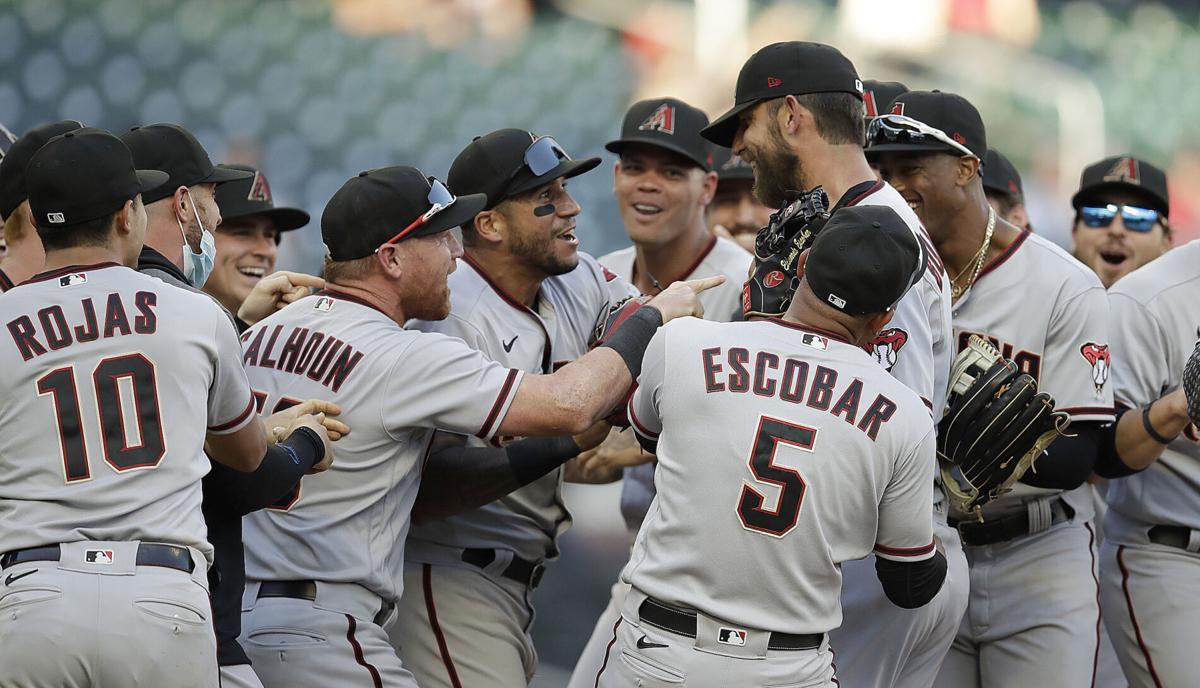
x: 343, y: 296
x: 811, y: 330
x: 547, y: 367
x: 69, y: 269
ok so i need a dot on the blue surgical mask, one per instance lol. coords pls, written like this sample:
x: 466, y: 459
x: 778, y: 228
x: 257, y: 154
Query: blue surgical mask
x: 198, y: 266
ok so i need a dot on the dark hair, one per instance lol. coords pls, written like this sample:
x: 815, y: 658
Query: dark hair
x: 97, y: 232
x: 839, y: 116
x: 1005, y: 202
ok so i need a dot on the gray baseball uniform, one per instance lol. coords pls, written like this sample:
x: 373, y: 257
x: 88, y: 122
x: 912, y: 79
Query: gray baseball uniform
x: 806, y: 455
x: 1033, y: 616
x: 97, y: 358
x: 325, y: 568
x: 1151, y: 584
x: 459, y: 624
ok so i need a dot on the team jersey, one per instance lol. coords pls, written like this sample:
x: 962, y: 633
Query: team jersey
x: 719, y: 257
x: 111, y: 381
x: 1156, y: 324
x: 804, y: 454
x: 541, y: 339
x: 1048, y: 313
x: 394, y: 387
x: 5, y: 282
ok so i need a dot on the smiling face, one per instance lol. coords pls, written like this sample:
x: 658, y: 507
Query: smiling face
x: 661, y: 195
x: 542, y: 238
x: 759, y: 142
x: 735, y: 208
x: 928, y: 183
x: 246, y: 251
x: 426, y: 263
x: 1115, y: 251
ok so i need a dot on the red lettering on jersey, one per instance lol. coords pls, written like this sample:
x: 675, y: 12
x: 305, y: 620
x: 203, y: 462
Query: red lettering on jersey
x: 90, y: 329
x: 291, y: 349
x: 114, y: 317
x: 795, y: 379
x: 881, y: 411
x: 250, y: 355
x: 847, y: 405
x: 55, y: 328
x: 147, y: 320
x: 711, y: 368
x: 764, y: 386
x: 24, y: 336
x: 739, y: 380
x: 1027, y: 361
x: 267, y: 361
x: 821, y: 394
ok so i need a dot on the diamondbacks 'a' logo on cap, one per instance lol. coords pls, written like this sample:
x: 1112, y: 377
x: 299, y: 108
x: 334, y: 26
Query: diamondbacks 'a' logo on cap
x: 662, y: 119
x: 773, y: 82
x: 897, y: 108
x: 1124, y: 170
x: 73, y: 279
x: 55, y: 218
x: 869, y: 104
x: 1098, y: 357
x: 260, y: 190
x: 731, y: 636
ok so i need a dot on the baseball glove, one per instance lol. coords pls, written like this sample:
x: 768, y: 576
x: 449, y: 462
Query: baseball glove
x: 617, y: 314
x: 1191, y: 385
x: 773, y: 278
x: 996, y: 425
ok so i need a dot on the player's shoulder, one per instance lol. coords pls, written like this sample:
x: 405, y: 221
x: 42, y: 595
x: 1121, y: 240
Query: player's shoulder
x: 1057, y: 263
x: 619, y: 262
x: 469, y: 289
x: 1176, y: 271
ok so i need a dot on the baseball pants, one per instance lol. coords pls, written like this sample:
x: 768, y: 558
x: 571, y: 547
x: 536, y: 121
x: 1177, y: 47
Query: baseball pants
x: 298, y: 643
x: 95, y: 618
x: 1033, y: 618
x: 588, y: 664
x: 1151, y: 600
x: 881, y: 645
x: 239, y: 676
x: 461, y: 627
x: 640, y: 655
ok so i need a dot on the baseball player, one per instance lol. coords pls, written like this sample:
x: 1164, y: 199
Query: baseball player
x: 798, y: 120
x: 1033, y: 617
x: 526, y: 297
x: 1005, y: 193
x: 806, y: 453
x: 99, y: 494
x: 663, y: 182
x: 877, y: 97
x: 324, y: 567
x: 734, y: 212
x: 24, y: 255
x: 1121, y: 213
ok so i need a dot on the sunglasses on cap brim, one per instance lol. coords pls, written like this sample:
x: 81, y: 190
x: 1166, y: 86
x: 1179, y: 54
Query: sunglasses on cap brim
x: 1135, y: 218
x: 541, y: 157
x: 439, y: 198
x: 7, y: 139
x: 901, y: 129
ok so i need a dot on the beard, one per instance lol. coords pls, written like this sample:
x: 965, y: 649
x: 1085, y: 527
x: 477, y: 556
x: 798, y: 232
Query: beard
x: 778, y: 173
x: 538, y: 252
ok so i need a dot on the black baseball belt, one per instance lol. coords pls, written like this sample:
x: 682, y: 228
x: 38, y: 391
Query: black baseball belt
x: 681, y: 622
x: 307, y: 590
x: 521, y: 570
x: 148, y: 554
x: 1171, y: 536
x: 1005, y: 528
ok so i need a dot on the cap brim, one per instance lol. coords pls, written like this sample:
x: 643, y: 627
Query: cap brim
x: 566, y: 169
x: 463, y: 209
x: 149, y: 180
x: 221, y: 174
x: 911, y: 148
x: 722, y: 130
x: 1152, y: 199
x: 616, y: 146
x: 284, y: 219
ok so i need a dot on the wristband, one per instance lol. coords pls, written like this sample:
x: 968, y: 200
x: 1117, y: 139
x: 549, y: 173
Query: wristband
x: 305, y: 445
x: 533, y: 457
x: 1150, y: 428
x: 633, y: 336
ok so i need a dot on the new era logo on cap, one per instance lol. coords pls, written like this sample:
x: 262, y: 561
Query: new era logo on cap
x: 731, y: 636
x: 72, y: 279
x: 1124, y: 170
x: 259, y: 189
x: 773, y: 82
x: 662, y: 119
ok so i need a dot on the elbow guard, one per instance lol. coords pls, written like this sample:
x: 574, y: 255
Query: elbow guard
x: 911, y: 584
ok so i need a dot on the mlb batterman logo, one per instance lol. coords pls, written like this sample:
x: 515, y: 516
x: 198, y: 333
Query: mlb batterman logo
x: 324, y: 304
x: 731, y: 636
x: 662, y: 119
x: 98, y: 556
x: 55, y: 218
x: 886, y: 346
x: 73, y: 279
x: 1098, y: 357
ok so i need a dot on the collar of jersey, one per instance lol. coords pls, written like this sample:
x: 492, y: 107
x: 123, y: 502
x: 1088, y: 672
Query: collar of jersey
x: 808, y: 328
x: 343, y: 296
x: 66, y: 270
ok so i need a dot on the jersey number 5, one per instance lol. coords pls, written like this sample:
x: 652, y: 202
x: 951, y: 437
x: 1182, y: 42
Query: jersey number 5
x: 780, y: 520
x: 106, y: 380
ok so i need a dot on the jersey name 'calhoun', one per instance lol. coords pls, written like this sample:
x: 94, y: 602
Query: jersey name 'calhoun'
x: 321, y: 357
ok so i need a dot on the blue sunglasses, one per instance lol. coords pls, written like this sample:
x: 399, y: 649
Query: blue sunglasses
x: 1135, y: 219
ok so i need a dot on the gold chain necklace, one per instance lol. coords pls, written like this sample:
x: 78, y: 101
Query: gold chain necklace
x: 957, y: 291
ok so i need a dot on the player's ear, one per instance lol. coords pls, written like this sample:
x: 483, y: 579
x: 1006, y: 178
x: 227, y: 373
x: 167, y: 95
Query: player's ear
x: 389, y: 258
x: 489, y: 226
x: 709, y: 188
x: 792, y: 116
x: 969, y: 167
x: 179, y: 203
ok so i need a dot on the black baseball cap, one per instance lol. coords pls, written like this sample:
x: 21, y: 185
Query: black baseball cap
x: 878, y: 95
x: 508, y: 162
x: 82, y: 175
x: 782, y: 69
x: 252, y: 196
x: 667, y: 123
x: 729, y: 166
x: 12, y: 167
x: 949, y: 113
x: 1124, y: 172
x: 377, y: 205
x: 174, y: 150
x: 999, y: 175
x: 864, y: 260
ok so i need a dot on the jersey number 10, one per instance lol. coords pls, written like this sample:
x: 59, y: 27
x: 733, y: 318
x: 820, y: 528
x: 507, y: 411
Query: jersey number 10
x: 139, y: 370
x: 782, y: 519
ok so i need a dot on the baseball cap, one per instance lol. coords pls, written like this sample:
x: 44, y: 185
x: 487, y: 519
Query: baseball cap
x: 955, y: 122
x: 878, y: 95
x: 82, y: 175
x: 667, y: 123
x: 508, y: 162
x: 1124, y: 172
x: 729, y: 166
x: 379, y: 205
x: 864, y: 260
x: 252, y: 196
x: 174, y: 150
x: 782, y: 69
x: 12, y: 167
x: 1000, y: 175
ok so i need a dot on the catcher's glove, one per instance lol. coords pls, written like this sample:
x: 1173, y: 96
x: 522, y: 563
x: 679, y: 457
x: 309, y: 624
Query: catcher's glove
x: 1191, y: 385
x: 617, y: 314
x: 996, y: 425
x: 773, y: 279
